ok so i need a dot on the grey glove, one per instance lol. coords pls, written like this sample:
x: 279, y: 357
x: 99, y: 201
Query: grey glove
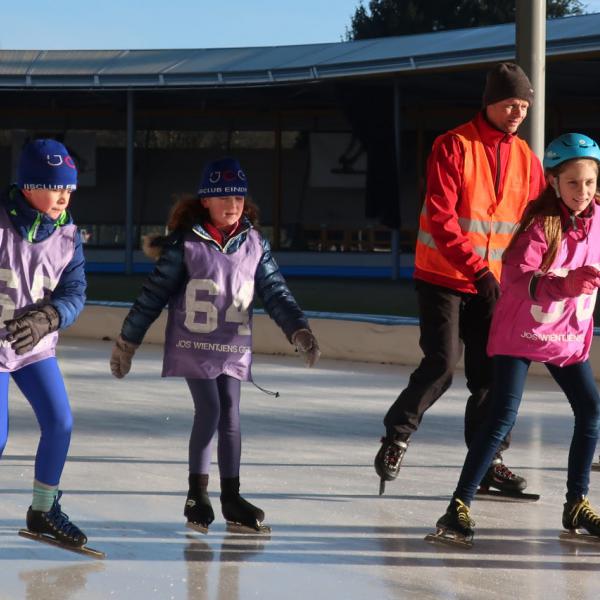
x: 120, y: 359
x: 306, y: 344
x: 27, y: 330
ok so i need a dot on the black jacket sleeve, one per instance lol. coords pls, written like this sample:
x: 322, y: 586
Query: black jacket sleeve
x: 276, y: 296
x: 164, y: 281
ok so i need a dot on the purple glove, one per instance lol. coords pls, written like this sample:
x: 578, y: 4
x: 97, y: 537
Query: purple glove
x: 582, y: 280
x: 487, y: 285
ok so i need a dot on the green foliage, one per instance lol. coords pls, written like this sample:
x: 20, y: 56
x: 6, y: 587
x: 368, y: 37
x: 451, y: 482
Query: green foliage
x: 403, y: 17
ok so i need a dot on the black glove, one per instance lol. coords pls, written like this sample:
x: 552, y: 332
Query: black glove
x: 487, y: 285
x: 26, y: 331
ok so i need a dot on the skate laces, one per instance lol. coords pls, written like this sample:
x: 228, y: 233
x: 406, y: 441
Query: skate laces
x: 585, y: 511
x: 392, y: 454
x: 62, y: 521
x: 463, y: 514
x: 502, y: 471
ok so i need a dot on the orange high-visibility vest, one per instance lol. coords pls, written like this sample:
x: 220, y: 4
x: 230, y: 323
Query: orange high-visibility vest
x: 486, y: 220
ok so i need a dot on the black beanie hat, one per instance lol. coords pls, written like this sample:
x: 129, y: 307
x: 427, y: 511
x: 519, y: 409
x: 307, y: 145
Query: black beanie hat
x: 507, y: 80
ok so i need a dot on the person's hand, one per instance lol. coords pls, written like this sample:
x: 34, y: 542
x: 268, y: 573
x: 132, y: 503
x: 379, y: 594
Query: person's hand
x: 120, y: 359
x: 306, y: 344
x: 582, y: 280
x: 487, y: 285
x: 27, y: 330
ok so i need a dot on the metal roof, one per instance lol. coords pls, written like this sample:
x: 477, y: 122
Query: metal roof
x: 114, y: 69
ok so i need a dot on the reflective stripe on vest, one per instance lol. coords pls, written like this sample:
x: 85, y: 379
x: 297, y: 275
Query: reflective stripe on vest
x: 486, y: 221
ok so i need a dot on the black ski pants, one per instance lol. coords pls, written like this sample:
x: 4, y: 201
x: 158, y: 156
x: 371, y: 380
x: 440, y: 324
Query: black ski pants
x: 450, y: 322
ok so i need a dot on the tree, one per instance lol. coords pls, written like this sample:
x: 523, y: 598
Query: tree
x: 403, y: 17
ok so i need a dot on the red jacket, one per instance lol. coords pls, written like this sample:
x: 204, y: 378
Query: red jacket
x: 444, y: 184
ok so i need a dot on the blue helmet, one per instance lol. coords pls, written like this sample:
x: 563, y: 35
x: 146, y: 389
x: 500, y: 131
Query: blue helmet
x: 569, y: 146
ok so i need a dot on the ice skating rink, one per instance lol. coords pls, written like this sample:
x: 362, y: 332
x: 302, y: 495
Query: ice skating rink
x: 307, y: 461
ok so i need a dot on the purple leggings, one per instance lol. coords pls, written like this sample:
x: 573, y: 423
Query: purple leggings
x: 217, y: 408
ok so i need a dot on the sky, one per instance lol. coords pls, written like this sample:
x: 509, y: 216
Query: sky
x: 142, y: 24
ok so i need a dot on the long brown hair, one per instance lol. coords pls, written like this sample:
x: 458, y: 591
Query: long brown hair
x: 546, y: 209
x: 188, y: 210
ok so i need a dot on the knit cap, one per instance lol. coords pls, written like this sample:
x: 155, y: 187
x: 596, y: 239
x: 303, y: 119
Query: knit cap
x: 507, y: 80
x: 46, y: 164
x: 223, y: 177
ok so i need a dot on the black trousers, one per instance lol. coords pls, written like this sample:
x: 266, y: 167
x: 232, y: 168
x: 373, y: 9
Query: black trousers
x: 450, y: 322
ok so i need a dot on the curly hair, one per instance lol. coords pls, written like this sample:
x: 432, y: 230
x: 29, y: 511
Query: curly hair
x: 188, y: 210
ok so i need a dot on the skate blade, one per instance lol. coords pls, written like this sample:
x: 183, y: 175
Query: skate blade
x: 45, y: 539
x: 577, y: 536
x: 245, y: 529
x: 381, y: 486
x: 507, y: 496
x: 197, y: 527
x: 445, y: 537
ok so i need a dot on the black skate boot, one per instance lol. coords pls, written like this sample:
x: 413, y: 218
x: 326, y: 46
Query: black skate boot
x: 578, y: 515
x: 455, y: 527
x: 241, y: 516
x: 55, y: 528
x: 389, y: 458
x: 505, y: 483
x: 198, y: 510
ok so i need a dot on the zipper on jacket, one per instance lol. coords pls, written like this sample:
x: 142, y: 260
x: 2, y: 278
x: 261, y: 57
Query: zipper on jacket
x: 209, y: 238
x: 497, y: 180
x: 31, y: 233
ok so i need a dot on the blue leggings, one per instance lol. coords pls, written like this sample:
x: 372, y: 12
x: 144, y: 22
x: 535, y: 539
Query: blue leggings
x: 217, y: 408
x: 42, y: 384
x: 576, y: 381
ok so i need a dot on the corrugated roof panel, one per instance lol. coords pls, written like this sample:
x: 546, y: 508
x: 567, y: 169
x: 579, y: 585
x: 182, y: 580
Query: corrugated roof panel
x: 146, y: 62
x: 71, y: 62
x: 280, y: 64
x: 16, y: 62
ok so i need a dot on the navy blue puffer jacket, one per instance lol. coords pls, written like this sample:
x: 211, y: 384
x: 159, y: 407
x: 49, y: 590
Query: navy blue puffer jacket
x: 68, y: 297
x: 170, y: 274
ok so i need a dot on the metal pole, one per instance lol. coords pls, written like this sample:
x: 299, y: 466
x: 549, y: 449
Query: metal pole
x: 129, y: 187
x: 531, y: 56
x: 277, y: 186
x: 397, y: 148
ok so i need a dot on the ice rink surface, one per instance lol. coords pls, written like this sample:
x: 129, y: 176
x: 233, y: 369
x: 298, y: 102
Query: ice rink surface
x: 307, y: 461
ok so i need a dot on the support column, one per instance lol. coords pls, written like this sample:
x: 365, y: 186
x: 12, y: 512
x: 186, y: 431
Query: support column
x: 277, y: 186
x: 531, y: 57
x: 129, y: 186
x: 397, y: 147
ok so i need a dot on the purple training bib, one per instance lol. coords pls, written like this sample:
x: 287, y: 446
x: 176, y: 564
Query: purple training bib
x: 28, y: 273
x: 209, y: 328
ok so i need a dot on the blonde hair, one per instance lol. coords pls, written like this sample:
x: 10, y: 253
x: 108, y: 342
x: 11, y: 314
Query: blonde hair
x: 546, y: 209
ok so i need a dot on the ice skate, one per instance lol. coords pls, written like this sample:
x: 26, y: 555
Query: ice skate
x: 55, y: 528
x: 581, y: 522
x: 455, y: 527
x: 507, y: 485
x: 389, y: 459
x: 241, y: 516
x: 198, y: 511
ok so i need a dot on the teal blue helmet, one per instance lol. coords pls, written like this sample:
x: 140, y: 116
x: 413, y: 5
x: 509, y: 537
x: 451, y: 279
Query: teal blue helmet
x: 568, y: 147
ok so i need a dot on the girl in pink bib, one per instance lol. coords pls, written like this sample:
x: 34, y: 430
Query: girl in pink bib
x: 549, y: 284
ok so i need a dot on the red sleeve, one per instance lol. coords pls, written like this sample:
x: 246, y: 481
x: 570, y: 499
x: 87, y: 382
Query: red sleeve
x: 444, y: 184
x: 537, y: 179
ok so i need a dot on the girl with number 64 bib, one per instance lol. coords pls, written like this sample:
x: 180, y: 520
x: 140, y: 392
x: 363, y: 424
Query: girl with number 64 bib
x: 549, y: 284
x: 208, y: 269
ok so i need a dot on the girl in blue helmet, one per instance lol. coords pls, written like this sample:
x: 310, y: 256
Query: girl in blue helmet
x: 545, y: 314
